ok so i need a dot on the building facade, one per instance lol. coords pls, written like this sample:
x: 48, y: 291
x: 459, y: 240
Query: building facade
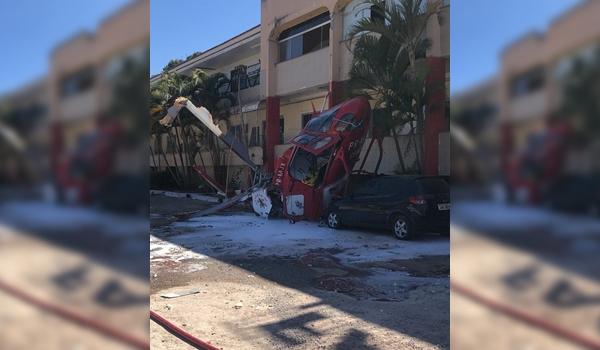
x: 534, y: 68
x: 79, y: 86
x: 300, y: 54
x: 83, y: 70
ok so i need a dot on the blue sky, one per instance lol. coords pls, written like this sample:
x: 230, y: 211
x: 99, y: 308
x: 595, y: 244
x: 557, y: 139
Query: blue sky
x: 30, y: 29
x: 180, y: 27
x: 481, y: 29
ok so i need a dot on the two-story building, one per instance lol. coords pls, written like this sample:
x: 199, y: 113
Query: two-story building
x: 299, y: 59
x: 84, y: 68
x: 533, y: 70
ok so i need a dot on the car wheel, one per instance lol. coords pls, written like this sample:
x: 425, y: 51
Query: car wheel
x: 402, y: 228
x: 333, y: 220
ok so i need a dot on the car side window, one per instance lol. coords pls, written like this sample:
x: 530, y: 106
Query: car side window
x: 393, y: 188
x: 369, y: 188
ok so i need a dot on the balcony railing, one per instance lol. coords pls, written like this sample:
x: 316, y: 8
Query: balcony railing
x: 243, y: 77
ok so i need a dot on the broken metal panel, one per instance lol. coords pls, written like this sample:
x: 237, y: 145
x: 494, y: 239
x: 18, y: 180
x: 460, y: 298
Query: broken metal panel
x: 204, y: 116
x: 261, y: 202
x: 238, y: 148
x: 295, y: 205
x: 204, y: 175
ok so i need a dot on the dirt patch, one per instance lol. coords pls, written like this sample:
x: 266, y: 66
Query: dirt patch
x: 422, y: 266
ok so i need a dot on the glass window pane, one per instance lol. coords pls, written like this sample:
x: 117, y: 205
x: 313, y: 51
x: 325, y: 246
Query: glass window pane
x: 312, y: 40
x: 325, y: 35
x: 283, y: 51
x: 324, y: 17
x: 296, y: 46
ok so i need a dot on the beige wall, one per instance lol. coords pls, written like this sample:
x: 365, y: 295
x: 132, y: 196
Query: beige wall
x: 438, y: 32
x: 115, y: 36
x: 570, y: 33
x: 277, y: 16
x: 300, y: 73
x: 334, y: 63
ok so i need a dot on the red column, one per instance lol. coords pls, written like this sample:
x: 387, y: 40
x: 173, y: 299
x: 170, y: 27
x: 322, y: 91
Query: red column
x: 434, y: 120
x: 507, y: 144
x: 56, y: 145
x: 272, y: 132
x: 336, y: 92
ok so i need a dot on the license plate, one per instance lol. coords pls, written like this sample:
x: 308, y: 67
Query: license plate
x: 444, y: 206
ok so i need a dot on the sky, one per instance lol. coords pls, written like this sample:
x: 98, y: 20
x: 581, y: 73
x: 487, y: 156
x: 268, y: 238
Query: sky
x: 480, y: 30
x: 30, y: 29
x: 179, y: 28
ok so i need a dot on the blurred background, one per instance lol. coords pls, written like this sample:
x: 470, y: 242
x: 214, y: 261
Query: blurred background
x: 525, y: 106
x: 525, y: 121
x: 73, y: 176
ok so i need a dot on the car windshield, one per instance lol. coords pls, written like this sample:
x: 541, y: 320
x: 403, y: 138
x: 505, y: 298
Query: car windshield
x: 322, y: 122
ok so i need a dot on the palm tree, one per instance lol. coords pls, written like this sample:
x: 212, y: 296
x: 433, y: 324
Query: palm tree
x: 581, y: 102
x: 388, y: 65
x: 187, y: 136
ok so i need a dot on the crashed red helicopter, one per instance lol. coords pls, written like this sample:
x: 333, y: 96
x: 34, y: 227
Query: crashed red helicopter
x: 309, y: 174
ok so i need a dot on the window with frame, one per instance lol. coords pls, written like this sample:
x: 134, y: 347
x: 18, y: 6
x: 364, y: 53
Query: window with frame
x: 238, y: 78
x: 281, y: 133
x: 255, y: 137
x: 528, y: 82
x: 77, y: 82
x: 305, y: 118
x: 237, y: 131
x: 305, y: 37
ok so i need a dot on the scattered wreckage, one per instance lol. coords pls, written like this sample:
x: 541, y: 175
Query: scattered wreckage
x: 309, y: 174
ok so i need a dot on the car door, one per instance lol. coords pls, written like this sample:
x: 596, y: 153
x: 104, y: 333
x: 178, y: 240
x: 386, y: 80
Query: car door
x: 361, y: 207
x: 392, y: 192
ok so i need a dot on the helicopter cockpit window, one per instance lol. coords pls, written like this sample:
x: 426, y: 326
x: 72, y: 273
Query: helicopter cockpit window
x: 314, y: 142
x: 322, y: 122
x: 347, y: 123
x: 308, y: 168
x: 304, y: 139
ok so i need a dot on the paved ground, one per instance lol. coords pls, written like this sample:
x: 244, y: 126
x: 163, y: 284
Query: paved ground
x: 536, y: 261
x: 268, y: 284
x: 87, y: 262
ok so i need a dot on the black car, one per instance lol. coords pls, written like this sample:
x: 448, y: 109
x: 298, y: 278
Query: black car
x: 406, y: 205
x: 577, y: 194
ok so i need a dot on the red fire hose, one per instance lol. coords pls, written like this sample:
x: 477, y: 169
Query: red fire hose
x: 526, y: 317
x: 180, y: 333
x: 82, y: 320
x: 105, y: 329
